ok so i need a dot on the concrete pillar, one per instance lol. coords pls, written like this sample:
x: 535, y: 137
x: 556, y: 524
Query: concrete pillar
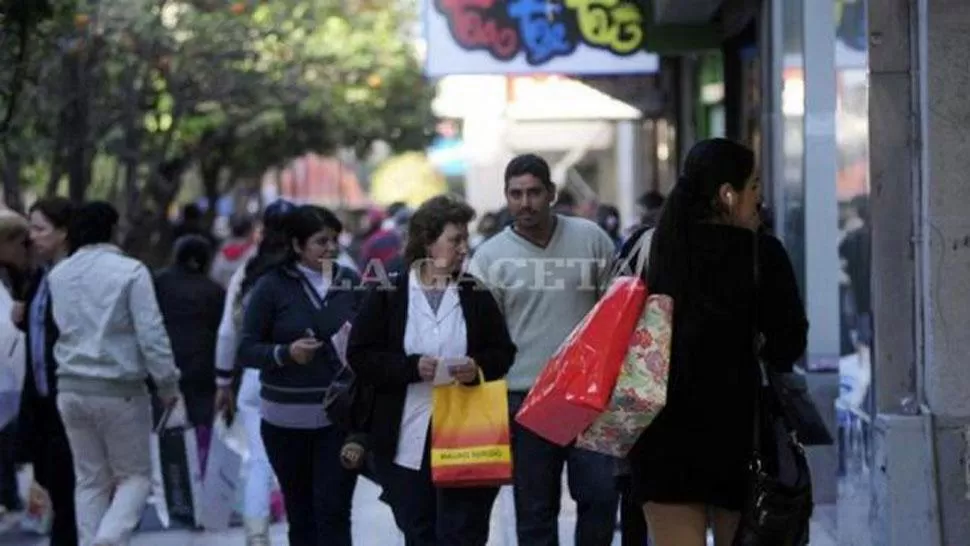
x: 484, y: 136
x: 946, y: 254
x: 628, y: 154
x: 918, y: 129
x: 821, y: 229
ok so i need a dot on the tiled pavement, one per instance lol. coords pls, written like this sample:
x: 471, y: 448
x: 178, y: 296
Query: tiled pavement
x: 374, y: 526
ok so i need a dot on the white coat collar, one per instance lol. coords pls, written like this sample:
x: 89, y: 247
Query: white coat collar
x: 419, y: 302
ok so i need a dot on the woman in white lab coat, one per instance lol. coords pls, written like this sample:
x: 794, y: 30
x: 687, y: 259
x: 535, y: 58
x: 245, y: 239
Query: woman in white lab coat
x: 429, y: 323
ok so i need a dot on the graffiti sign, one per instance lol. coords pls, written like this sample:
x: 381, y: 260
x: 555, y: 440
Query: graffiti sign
x: 532, y: 34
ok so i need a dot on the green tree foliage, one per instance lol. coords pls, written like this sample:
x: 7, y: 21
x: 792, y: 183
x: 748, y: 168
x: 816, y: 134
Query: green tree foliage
x: 147, y: 90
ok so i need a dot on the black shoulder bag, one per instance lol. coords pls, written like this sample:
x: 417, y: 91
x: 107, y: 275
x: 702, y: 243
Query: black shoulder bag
x: 778, y: 505
x: 346, y: 401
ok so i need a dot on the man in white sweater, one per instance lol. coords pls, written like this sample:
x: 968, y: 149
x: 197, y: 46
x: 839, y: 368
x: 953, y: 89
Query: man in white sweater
x: 546, y: 272
x: 111, y: 339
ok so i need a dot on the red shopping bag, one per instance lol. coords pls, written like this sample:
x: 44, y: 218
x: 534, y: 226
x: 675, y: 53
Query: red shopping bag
x: 576, y: 385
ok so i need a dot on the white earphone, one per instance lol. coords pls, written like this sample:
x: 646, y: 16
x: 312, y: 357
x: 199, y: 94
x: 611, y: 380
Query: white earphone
x: 730, y: 199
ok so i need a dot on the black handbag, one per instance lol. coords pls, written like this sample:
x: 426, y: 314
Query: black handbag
x: 791, y: 391
x: 344, y: 398
x: 348, y: 402
x: 778, y: 506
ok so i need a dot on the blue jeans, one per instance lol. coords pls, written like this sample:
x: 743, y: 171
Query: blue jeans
x: 538, y: 466
x: 317, y: 490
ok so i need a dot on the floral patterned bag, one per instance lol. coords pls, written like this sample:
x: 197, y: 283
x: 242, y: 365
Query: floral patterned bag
x: 641, y: 388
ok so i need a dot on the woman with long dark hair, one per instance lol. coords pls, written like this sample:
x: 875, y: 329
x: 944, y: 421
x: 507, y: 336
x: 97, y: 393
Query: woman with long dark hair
x: 290, y: 317
x: 191, y: 304
x: 730, y: 284
x: 271, y: 251
x: 41, y: 427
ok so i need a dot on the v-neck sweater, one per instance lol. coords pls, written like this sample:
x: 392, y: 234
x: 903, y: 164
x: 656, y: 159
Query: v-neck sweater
x: 544, y: 291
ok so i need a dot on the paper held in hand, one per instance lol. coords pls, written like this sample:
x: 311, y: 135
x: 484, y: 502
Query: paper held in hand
x: 340, y: 340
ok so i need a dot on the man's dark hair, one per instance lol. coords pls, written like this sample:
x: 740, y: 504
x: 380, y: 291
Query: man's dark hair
x: 429, y: 221
x: 193, y: 252
x: 565, y: 199
x: 651, y: 200
x: 529, y: 164
x: 861, y: 205
x: 240, y: 226
x: 191, y: 213
x: 59, y: 211
x: 93, y: 223
x: 395, y: 207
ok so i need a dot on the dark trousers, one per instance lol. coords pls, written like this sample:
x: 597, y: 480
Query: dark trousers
x: 429, y: 516
x: 54, y: 469
x: 633, y: 524
x: 317, y: 490
x: 538, y: 466
x: 9, y: 496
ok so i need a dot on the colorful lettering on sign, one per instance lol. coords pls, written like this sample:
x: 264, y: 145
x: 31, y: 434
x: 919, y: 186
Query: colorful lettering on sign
x: 609, y: 24
x: 476, y: 24
x: 543, y: 36
x: 544, y: 29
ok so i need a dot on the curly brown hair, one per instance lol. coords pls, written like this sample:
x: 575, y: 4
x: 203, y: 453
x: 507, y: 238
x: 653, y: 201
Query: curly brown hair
x: 429, y: 221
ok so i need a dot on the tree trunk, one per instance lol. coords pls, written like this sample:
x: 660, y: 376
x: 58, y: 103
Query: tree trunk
x: 56, y: 162
x: 12, y: 197
x: 78, y: 163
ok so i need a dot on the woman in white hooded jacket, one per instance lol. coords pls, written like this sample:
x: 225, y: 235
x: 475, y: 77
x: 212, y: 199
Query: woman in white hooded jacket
x: 258, y: 487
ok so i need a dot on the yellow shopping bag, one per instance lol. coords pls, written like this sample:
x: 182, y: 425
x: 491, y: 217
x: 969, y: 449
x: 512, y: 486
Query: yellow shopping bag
x: 470, y: 435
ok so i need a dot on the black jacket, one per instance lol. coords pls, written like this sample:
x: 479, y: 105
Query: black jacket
x: 38, y: 414
x: 698, y: 448
x: 191, y: 305
x: 376, y: 351
x: 279, y: 310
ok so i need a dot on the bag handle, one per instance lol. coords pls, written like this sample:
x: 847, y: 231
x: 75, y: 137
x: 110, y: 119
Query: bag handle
x: 456, y: 383
x: 643, y: 252
x: 641, y: 249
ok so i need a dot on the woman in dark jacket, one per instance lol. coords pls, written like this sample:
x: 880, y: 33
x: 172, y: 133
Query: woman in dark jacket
x: 428, y: 326
x: 291, y: 314
x: 41, y: 428
x: 191, y: 304
x: 729, y: 284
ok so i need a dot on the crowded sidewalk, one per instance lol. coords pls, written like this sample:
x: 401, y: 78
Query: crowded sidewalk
x: 374, y: 526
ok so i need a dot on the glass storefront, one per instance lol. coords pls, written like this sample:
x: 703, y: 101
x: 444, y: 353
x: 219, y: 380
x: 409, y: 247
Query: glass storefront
x: 853, y: 406
x: 791, y: 194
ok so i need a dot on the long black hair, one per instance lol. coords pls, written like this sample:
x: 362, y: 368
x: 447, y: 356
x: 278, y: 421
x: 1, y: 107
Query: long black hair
x: 272, y: 247
x: 193, y: 253
x: 695, y: 198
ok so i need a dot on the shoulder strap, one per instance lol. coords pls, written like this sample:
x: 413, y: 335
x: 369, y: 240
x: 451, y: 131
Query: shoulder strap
x: 643, y: 252
x: 756, y: 342
x: 639, y: 253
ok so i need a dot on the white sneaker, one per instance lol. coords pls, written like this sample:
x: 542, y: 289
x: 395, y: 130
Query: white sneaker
x: 257, y: 531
